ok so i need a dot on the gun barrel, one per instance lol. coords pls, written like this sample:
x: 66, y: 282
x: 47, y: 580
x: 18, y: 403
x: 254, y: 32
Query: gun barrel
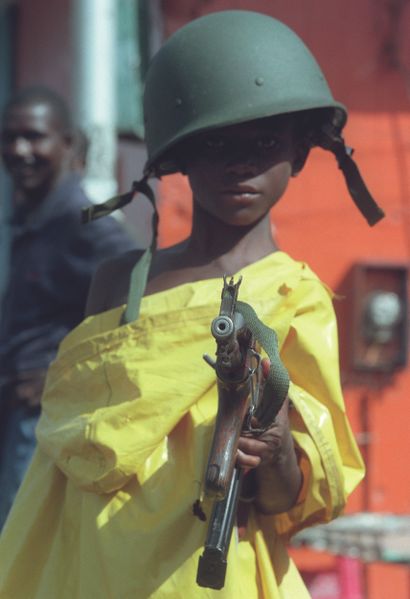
x: 212, y: 563
x: 222, y: 328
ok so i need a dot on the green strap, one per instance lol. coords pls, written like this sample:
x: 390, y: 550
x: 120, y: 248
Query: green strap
x: 99, y: 210
x: 139, y: 275
x: 277, y: 382
x: 330, y: 139
x: 357, y: 188
x: 95, y: 211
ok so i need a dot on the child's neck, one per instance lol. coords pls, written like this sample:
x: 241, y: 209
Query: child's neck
x: 213, y: 241
x: 212, y: 250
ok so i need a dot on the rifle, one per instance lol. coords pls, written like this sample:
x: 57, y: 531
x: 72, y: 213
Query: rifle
x: 238, y: 333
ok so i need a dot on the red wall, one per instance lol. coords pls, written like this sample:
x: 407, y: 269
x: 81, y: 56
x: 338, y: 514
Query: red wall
x: 365, y: 55
x: 44, y: 44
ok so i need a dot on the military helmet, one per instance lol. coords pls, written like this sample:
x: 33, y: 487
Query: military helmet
x: 227, y: 68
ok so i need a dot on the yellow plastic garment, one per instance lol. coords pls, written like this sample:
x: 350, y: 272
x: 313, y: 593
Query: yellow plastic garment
x: 105, y: 510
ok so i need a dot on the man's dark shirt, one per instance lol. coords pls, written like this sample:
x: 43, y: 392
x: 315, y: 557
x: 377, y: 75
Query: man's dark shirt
x: 53, y: 257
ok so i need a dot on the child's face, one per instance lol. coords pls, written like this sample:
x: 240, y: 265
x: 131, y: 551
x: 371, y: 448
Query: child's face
x: 238, y: 173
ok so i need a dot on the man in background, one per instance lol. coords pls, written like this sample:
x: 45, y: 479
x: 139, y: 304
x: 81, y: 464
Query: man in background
x: 53, y: 257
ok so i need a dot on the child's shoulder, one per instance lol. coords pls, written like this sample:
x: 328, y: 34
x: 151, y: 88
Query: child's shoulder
x: 109, y: 287
x: 111, y: 281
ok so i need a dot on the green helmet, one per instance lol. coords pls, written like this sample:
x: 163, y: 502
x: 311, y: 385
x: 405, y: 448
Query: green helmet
x: 227, y: 68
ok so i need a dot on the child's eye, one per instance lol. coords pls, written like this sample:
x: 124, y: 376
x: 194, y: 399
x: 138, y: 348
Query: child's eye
x: 267, y: 143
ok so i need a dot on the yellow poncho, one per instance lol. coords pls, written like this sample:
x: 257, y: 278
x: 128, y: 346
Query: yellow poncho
x: 105, y: 510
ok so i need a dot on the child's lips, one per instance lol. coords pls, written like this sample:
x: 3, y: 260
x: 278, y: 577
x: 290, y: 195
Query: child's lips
x: 242, y: 193
x: 240, y: 189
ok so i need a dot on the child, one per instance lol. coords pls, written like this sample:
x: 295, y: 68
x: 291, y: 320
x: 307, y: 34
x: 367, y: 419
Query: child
x: 235, y: 101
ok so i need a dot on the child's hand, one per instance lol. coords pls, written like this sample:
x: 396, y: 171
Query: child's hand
x: 267, y: 448
x: 272, y: 454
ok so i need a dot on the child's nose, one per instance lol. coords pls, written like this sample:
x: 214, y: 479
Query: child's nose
x: 241, y: 165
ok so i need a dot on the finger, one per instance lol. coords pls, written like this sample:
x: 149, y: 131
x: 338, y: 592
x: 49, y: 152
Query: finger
x: 245, y: 460
x: 252, y: 446
x: 265, y: 364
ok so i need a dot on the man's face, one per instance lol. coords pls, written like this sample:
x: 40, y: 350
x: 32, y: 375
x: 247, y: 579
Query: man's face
x: 35, y: 150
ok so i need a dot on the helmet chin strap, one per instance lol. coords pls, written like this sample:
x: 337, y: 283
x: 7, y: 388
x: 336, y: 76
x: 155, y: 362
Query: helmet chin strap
x: 139, y: 274
x: 329, y: 139
x: 90, y: 213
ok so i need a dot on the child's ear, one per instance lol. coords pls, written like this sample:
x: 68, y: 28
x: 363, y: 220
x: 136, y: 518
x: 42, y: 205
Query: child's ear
x: 301, y: 154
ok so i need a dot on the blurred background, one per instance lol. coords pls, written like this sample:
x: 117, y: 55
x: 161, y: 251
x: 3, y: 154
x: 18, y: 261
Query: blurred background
x: 95, y: 53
